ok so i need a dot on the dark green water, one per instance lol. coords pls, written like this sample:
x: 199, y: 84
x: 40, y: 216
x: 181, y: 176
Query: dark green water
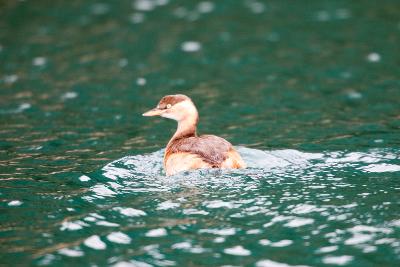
x: 309, y: 91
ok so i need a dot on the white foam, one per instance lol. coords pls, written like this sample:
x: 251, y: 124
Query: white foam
x: 181, y: 245
x: 130, y: 212
x: 216, y: 204
x: 297, y: 222
x: 264, y: 242
x: 10, y: 79
x: 70, y: 252
x: 269, y: 263
x: 14, y: 203
x: 69, y: 95
x: 337, y: 260
x: 156, y: 232
x: 143, y: 5
x: 94, y: 242
x: 190, y: 46
x: 167, y: 205
x: 205, y: 7
x: 132, y: 263
x: 107, y: 224
x: 282, y: 243
x: 383, y: 167
x: 195, y: 212
x: 253, y: 232
x: 141, y: 81
x: 102, y: 191
x: 358, y: 239
x: 306, y: 208
x: 373, y: 57
x: 84, y: 178
x: 119, y: 237
x: 327, y: 249
x: 237, y: 251
x: 223, y: 232
x: 72, y: 226
x: 39, y: 61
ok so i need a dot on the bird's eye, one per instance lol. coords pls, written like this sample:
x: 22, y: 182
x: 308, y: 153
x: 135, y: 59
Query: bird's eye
x: 169, y: 106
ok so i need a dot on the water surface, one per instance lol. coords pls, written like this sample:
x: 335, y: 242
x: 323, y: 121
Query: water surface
x: 308, y: 92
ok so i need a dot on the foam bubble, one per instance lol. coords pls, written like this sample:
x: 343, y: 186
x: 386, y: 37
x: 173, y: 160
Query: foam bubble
x: 119, y: 237
x: 39, y: 61
x: 298, y: 222
x: 205, y: 7
x: 373, y: 57
x: 143, y: 5
x: 223, y: 232
x: 70, y: 252
x: 95, y: 242
x: 269, y: 263
x: 237, y: 251
x: 10, y: 79
x: 141, y: 81
x: 383, y: 167
x: 190, y: 46
x: 69, y: 95
x: 156, y: 232
x: 14, y: 203
x: 84, y: 178
x: 167, y: 205
x: 72, y: 226
x: 337, y: 260
x: 130, y: 212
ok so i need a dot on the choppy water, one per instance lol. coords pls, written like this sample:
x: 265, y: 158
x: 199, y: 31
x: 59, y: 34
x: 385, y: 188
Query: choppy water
x: 308, y: 92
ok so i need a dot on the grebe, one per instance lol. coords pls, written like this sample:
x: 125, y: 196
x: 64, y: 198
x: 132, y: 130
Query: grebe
x: 186, y: 150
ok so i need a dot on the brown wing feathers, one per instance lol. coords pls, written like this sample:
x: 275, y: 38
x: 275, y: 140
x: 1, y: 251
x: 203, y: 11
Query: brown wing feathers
x: 212, y: 149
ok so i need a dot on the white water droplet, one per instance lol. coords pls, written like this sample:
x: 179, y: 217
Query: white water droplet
x: 337, y: 260
x: 297, y: 222
x: 269, y: 263
x: 69, y: 95
x: 39, y: 61
x: 205, y: 7
x: 373, y: 57
x: 84, y: 178
x: 191, y: 46
x: 71, y: 252
x: 130, y: 212
x: 95, y: 242
x: 72, y: 226
x: 156, y: 232
x: 143, y: 5
x: 237, y: 251
x: 141, y: 81
x: 167, y: 205
x: 14, y: 203
x: 10, y: 79
x: 119, y: 237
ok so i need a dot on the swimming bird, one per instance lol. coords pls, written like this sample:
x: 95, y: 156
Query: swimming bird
x: 186, y: 150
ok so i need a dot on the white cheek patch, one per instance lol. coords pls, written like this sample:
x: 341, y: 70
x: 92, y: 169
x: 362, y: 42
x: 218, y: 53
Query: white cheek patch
x: 180, y: 110
x: 169, y: 116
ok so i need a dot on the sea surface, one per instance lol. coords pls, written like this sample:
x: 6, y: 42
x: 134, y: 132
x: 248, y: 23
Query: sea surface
x: 307, y: 91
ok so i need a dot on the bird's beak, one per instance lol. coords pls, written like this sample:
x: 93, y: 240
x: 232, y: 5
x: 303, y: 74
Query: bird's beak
x: 153, y: 112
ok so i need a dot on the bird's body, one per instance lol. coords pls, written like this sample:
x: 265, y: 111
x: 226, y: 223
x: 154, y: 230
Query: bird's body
x: 186, y: 150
